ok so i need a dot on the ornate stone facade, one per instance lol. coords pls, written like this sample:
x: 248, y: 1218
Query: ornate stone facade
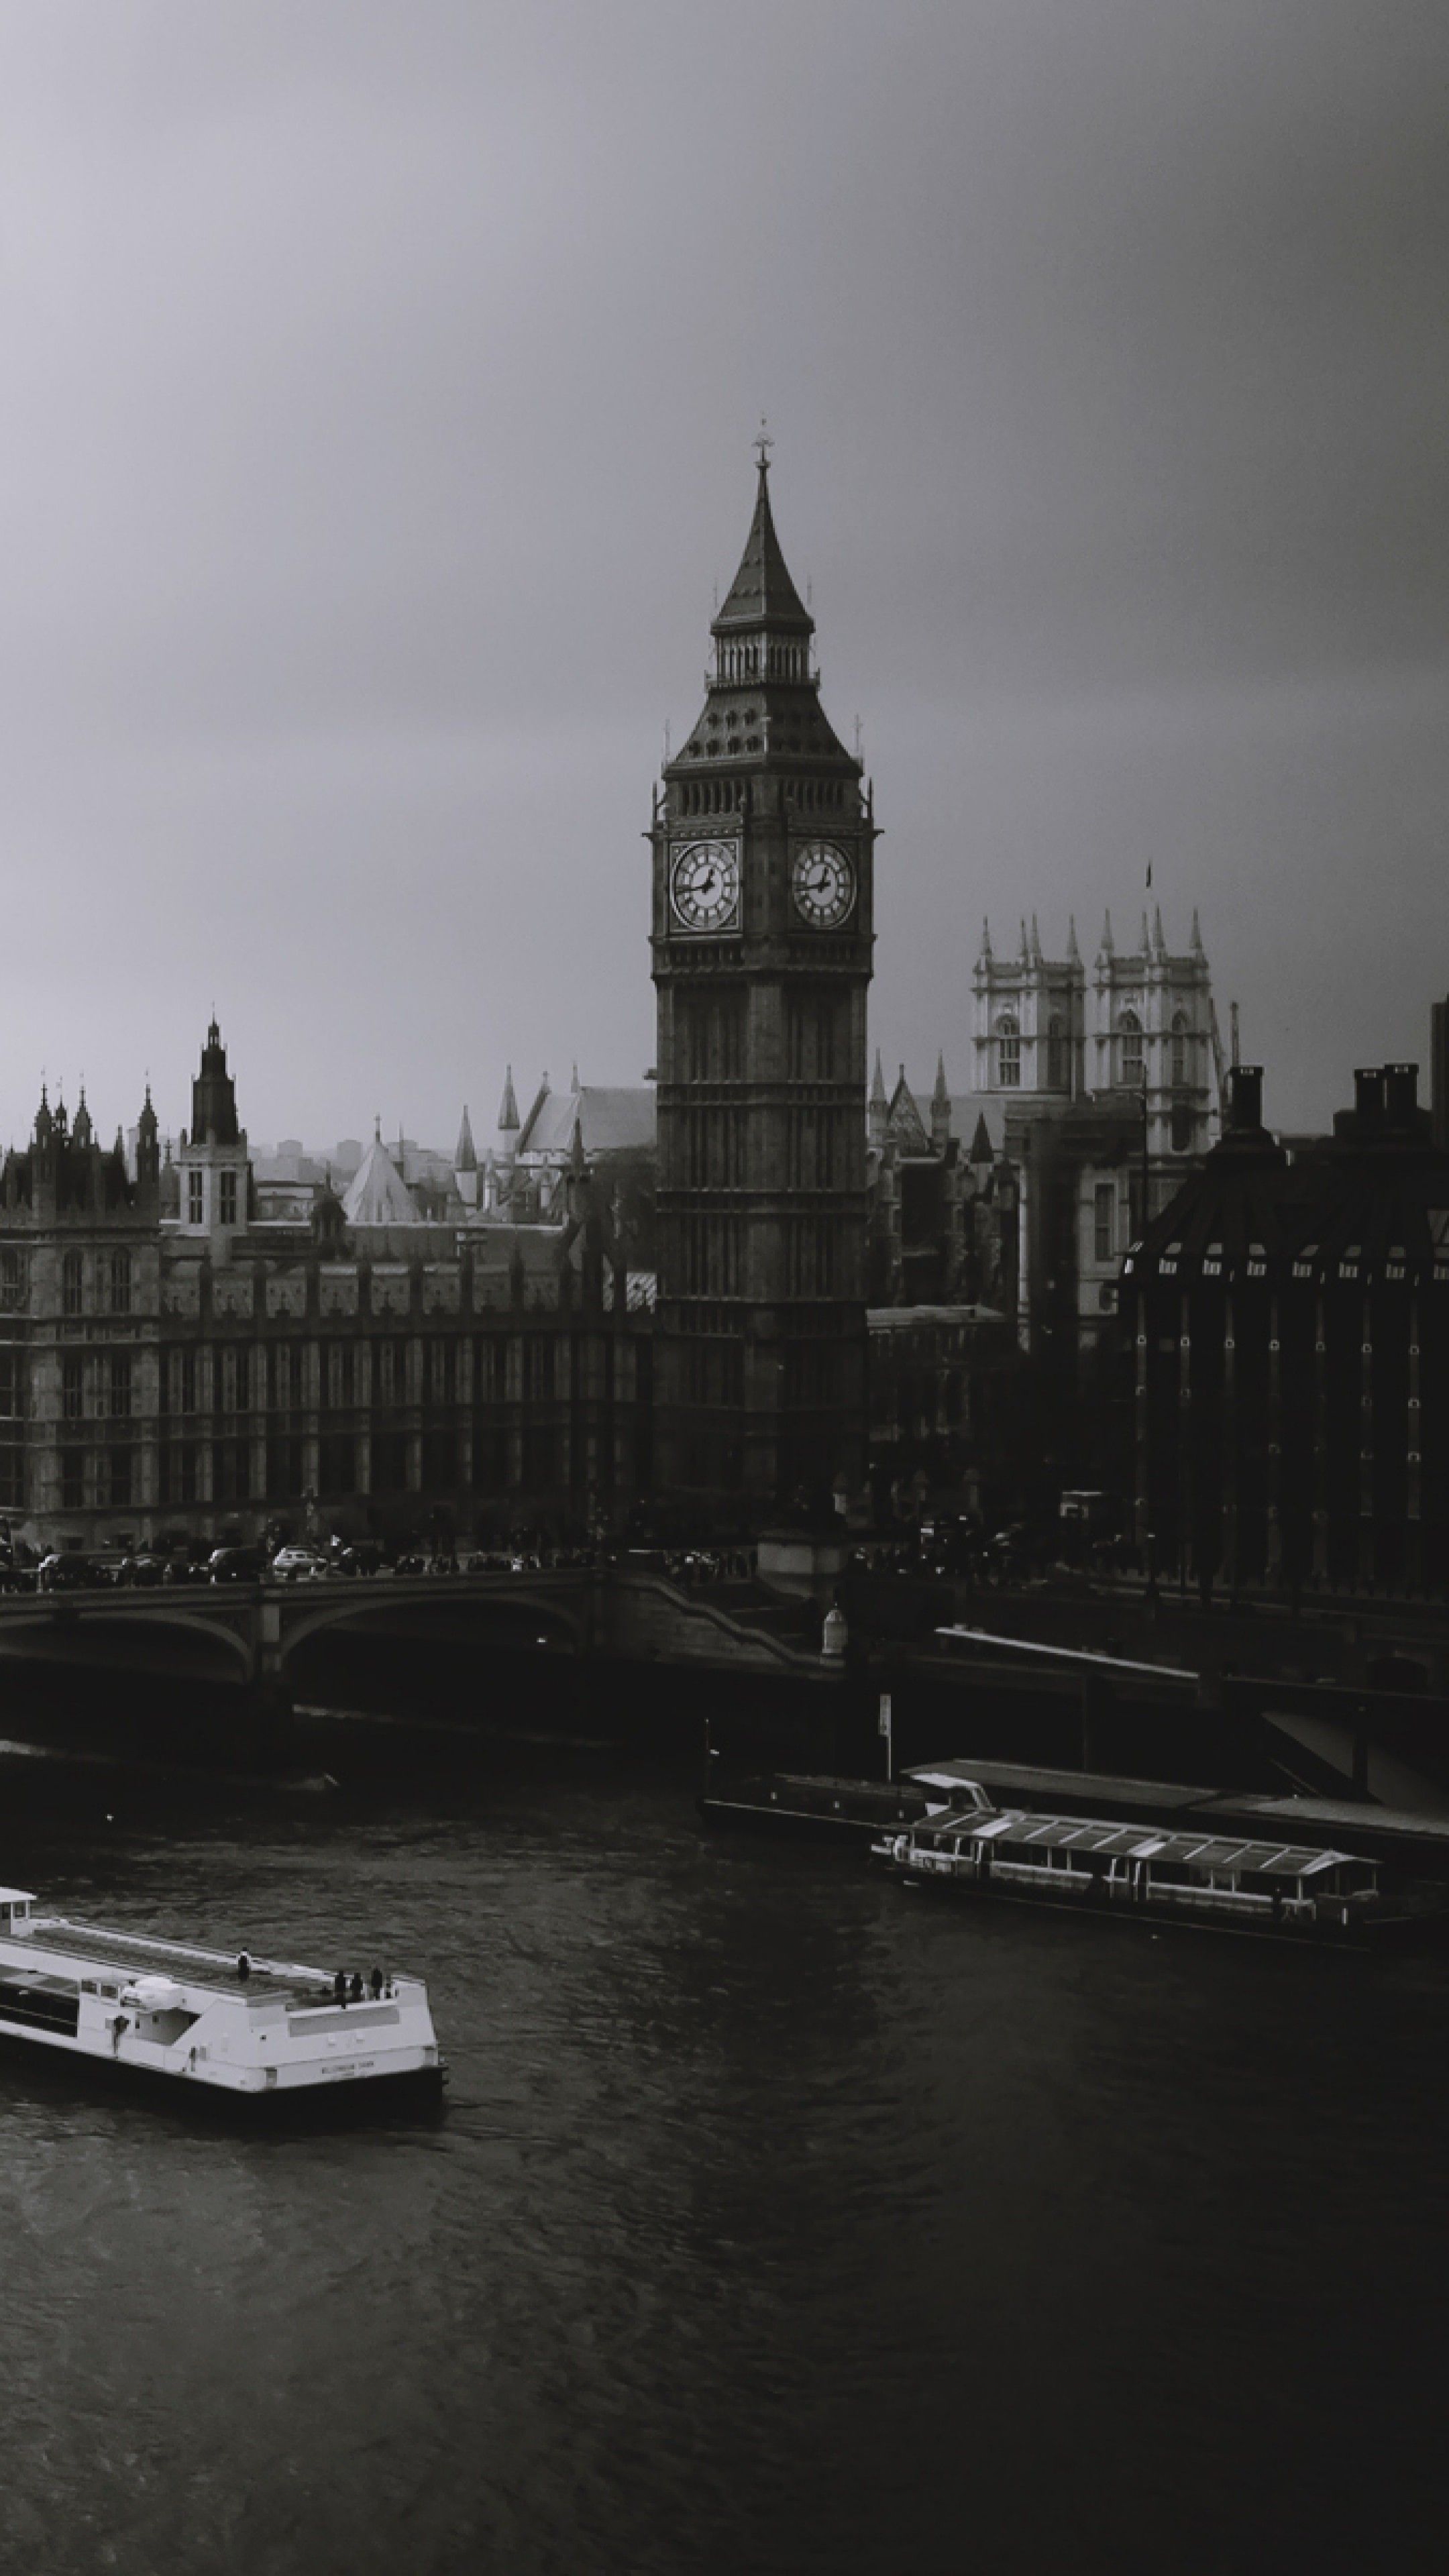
x: 171, y: 1361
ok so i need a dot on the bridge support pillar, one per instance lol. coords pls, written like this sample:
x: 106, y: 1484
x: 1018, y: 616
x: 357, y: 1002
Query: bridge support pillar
x: 269, y: 1694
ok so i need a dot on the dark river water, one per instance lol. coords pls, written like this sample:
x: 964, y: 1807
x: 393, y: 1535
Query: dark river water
x: 780, y: 2219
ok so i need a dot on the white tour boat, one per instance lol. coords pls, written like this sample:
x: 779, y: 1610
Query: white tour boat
x: 231, y: 2024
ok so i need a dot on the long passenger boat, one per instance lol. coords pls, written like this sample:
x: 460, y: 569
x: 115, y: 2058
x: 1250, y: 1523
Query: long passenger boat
x: 224, y: 2024
x: 1191, y: 1877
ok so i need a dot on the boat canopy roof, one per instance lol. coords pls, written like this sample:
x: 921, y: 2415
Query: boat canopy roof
x: 17, y: 1896
x: 1130, y: 1842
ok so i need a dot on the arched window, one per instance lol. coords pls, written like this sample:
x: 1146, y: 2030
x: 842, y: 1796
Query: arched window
x: 1008, y: 1053
x: 1133, y: 1061
x: 1056, y: 1054
x: 1179, y: 1050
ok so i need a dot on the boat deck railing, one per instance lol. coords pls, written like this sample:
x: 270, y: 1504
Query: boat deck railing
x: 144, y: 1949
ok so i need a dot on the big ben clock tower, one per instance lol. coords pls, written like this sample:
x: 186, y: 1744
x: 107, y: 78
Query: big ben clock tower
x: 762, y: 839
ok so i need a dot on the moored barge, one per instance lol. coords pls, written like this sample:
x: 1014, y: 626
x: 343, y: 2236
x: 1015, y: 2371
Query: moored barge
x: 1191, y: 1877
x: 221, y: 2024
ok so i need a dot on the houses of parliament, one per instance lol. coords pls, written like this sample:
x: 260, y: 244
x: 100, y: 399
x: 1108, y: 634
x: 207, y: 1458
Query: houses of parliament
x: 766, y: 1280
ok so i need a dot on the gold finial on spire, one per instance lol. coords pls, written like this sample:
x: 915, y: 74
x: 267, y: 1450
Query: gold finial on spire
x: 763, y: 445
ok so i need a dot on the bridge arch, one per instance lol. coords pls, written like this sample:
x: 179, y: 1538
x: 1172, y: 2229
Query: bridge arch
x: 441, y: 1613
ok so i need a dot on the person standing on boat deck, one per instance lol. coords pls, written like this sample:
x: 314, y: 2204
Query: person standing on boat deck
x: 375, y: 1981
x: 357, y: 1987
x: 339, y: 1987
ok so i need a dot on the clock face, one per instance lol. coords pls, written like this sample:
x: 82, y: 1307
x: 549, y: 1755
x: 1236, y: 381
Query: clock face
x: 704, y: 885
x: 823, y: 883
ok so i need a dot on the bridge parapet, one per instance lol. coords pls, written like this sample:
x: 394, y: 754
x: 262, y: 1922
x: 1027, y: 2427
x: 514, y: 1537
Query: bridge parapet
x: 588, y: 1611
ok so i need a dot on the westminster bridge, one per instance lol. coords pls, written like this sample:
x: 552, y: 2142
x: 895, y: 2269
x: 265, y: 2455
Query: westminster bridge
x: 1103, y: 1683
x: 257, y: 1635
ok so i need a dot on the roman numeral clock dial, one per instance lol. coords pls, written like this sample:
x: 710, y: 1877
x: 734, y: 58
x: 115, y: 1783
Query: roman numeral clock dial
x: 704, y: 886
x: 822, y: 881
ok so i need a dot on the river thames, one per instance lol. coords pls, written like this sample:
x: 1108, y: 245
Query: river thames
x: 779, y: 2219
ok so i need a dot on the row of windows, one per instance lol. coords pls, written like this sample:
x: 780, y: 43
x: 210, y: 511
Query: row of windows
x: 105, y: 1383
x: 816, y: 795
x: 110, y: 1389
x: 104, y: 1477
x: 226, y: 1198
x: 710, y: 795
x: 289, y: 1381
x: 709, y: 1036
x: 230, y: 1471
x: 712, y: 1150
x: 820, y: 1147
x: 817, y: 1033
x: 709, y: 1250
x: 395, y: 1465
x: 1131, y: 1056
x: 814, y: 1258
x: 111, y: 1282
x: 774, y: 660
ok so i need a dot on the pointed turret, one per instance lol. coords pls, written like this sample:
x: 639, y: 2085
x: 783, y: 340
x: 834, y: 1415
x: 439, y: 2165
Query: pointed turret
x: 213, y: 1096
x: 44, y: 1123
x: 763, y: 694
x: 378, y: 1194
x: 508, y: 1107
x: 1036, y: 957
x: 878, y: 1112
x: 981, y: 1142
x: 1158, y: 940
x: 940, y: 1108
x: 148, y: 1164
x: 762, y: 593
x: 1108, y: 945
x: 1146, y: 942
x: 465, y: 1163
x: 83, y: 1132
x: 1074, y: 954
x: 1195, y: 939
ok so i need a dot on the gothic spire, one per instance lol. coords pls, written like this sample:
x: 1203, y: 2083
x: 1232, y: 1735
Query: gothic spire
x: 1074, y: 954
x: 877, y: 1085
x: 508, y: 1106
x: 941, y: 1094
x: 762, y: 592
x: 465, y: 1156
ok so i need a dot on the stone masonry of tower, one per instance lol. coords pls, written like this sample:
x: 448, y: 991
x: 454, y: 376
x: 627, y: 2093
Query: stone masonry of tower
x: 762, y: 838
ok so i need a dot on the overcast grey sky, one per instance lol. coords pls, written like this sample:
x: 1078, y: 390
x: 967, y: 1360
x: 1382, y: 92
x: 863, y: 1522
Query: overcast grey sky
x: 376, y: 392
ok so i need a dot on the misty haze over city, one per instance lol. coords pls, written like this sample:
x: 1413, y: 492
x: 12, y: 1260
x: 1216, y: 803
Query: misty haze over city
x: 379, y: 393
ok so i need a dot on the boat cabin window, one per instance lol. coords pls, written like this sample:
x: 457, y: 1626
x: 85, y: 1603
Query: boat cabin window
x: 14, y: 1913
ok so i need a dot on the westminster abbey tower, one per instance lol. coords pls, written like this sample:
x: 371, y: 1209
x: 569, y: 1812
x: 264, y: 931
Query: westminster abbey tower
x: 762, y: 842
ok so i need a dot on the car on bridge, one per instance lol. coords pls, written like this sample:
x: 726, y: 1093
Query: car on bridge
x: 299, y: 1565
x: 68, y: 1571
x: 143, y: 1570
x: 237, y: 1565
